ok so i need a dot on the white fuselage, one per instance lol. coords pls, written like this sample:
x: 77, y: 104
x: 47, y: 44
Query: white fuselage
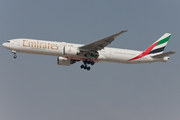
x: 57, y: 49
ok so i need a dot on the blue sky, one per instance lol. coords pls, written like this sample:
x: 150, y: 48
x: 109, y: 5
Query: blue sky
x: 34, y: 87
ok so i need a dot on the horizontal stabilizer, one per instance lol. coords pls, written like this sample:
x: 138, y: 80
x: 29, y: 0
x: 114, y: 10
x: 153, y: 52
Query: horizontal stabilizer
x: 164, y: 54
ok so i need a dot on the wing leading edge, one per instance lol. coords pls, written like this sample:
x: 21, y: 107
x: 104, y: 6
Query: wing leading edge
x: 100, y: 44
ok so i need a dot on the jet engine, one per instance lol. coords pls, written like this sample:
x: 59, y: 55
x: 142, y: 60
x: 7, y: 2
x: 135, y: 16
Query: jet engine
x: 64, y: 61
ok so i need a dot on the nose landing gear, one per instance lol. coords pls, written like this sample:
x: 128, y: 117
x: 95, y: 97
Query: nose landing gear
x: 14, y: 52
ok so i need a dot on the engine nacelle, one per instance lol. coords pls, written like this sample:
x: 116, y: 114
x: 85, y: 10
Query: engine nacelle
x: 64, y: 61
x: 70, y: 51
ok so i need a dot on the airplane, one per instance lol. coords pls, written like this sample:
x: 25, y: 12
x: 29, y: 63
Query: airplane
x: 70, y: 53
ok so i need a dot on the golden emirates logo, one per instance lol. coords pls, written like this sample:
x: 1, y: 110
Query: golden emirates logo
x: 38, y: 44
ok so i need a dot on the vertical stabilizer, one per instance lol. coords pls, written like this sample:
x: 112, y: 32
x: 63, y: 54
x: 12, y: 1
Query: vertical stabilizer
x: 160, y: 44
x: 156, y: 48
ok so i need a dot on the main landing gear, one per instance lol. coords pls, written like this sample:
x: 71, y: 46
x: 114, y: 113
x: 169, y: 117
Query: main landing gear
x: 14, y: 52
x: 85, y: 67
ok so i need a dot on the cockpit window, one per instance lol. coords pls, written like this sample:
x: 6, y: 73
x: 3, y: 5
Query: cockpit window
x: 8, y: 41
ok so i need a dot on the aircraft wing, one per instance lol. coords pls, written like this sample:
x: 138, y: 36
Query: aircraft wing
x: 100, y: 44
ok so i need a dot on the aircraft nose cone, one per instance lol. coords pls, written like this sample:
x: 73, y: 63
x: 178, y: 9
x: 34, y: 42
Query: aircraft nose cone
x: 3, y: 44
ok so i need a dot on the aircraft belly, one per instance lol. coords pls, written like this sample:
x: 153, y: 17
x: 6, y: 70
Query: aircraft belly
x: 125, y: 59
x: 144, y: 60
x: 116, y: 58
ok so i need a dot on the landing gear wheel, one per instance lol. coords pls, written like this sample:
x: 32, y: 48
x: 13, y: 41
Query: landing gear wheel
x: 92, y: 63
x: 82, y: 66
x: 88, y: 68
x: 85, y: 64
x: 15, y: 56
x: 85, y: 67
